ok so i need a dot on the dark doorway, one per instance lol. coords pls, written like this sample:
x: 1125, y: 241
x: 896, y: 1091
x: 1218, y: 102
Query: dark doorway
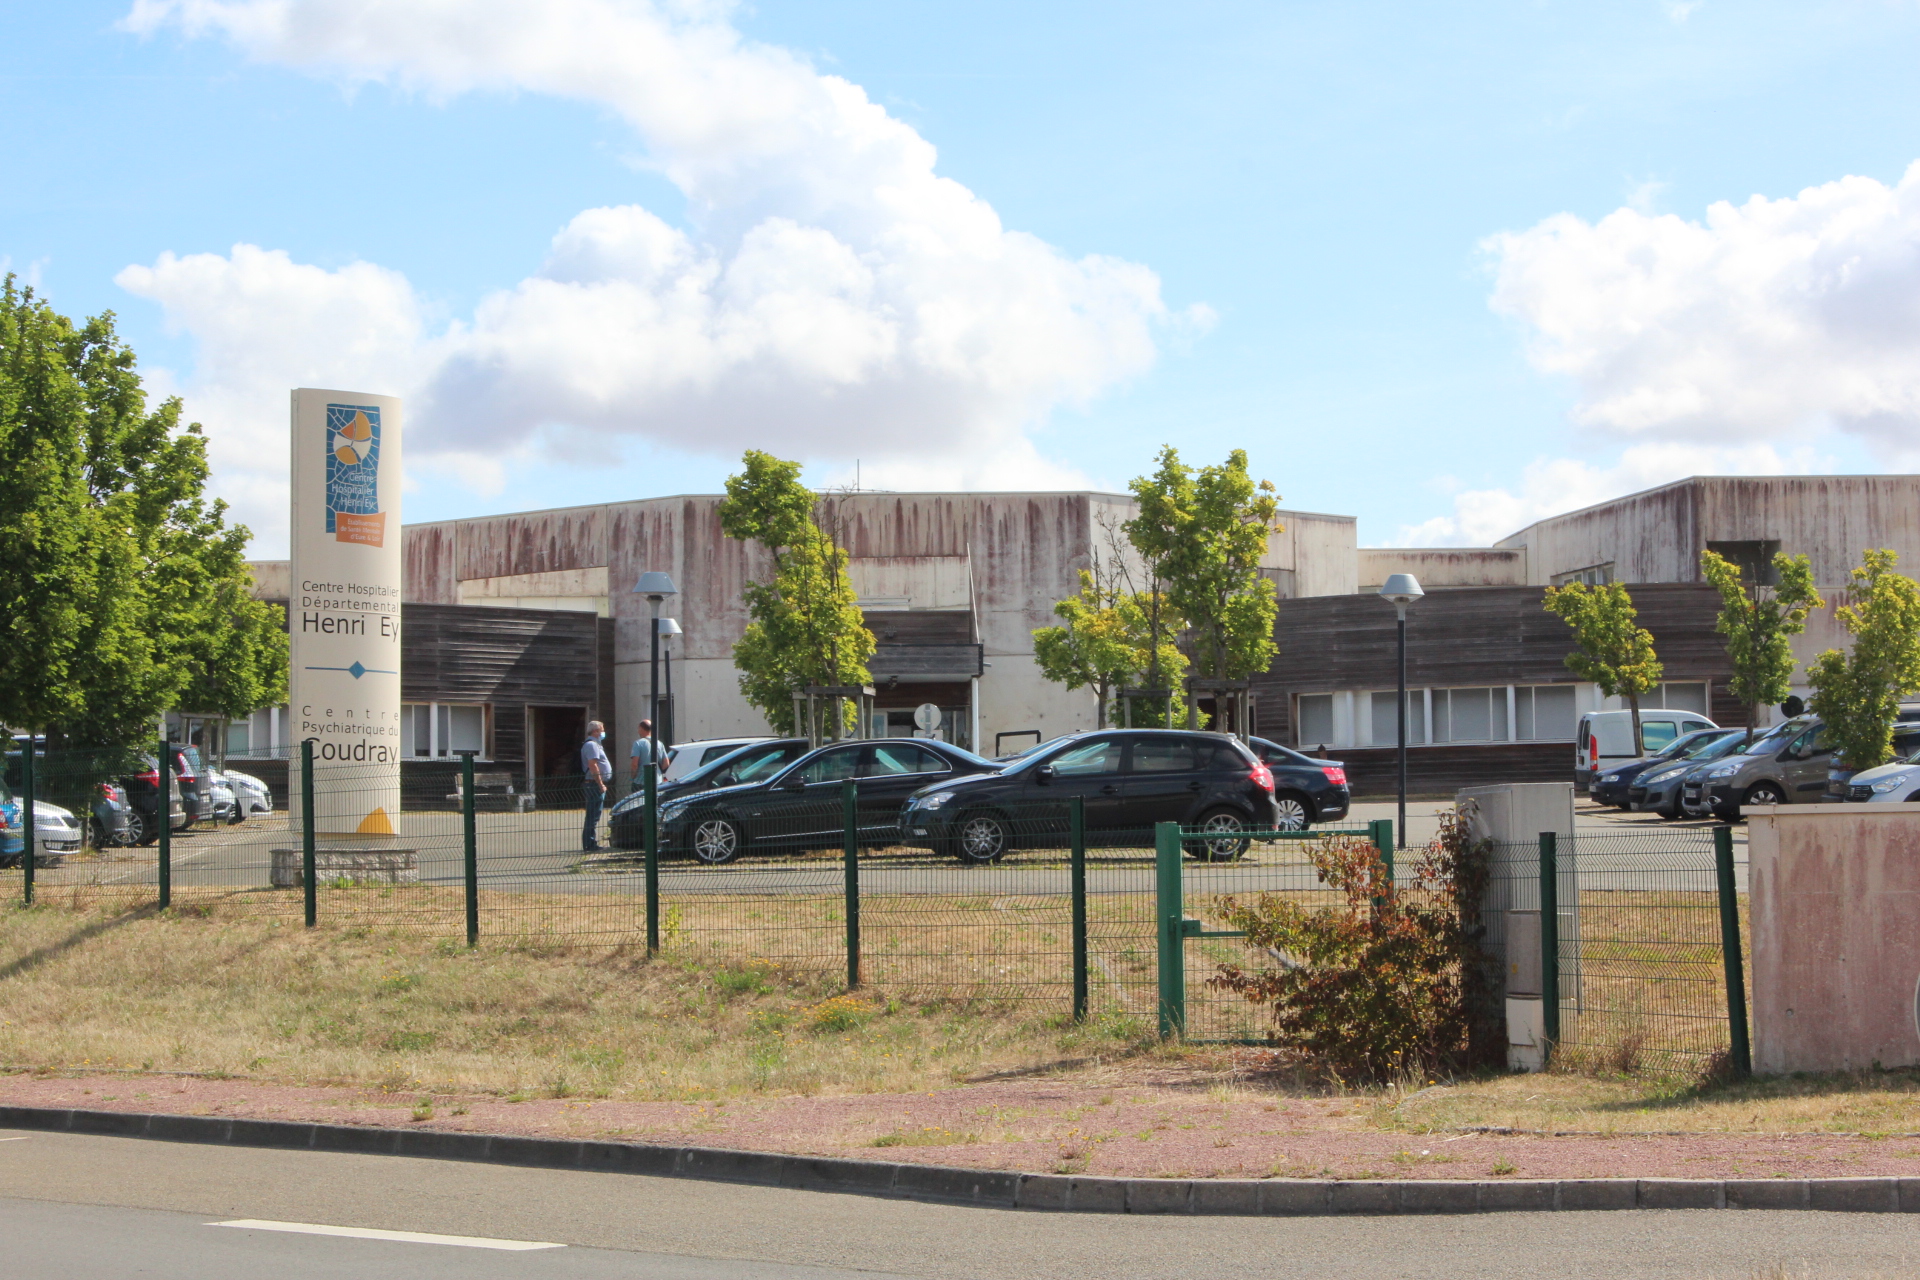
x: 555, y: 735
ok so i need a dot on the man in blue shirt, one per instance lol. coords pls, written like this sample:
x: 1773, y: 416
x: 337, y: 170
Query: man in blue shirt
x: 645, y: 752
x: 598, y: 771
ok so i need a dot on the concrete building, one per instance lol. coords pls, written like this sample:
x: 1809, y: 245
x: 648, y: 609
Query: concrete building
x: 954, y: 585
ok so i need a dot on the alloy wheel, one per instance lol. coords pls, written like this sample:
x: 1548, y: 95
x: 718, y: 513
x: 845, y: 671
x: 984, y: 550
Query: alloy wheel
x: 983, y: 838
x: 716, y: 841
x: 1222, y: 840
x: 1291, y: 813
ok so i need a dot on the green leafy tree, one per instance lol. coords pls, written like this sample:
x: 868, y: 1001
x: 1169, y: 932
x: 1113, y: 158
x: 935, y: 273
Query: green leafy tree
x: 1106, y: 641
x: 1611, y: 648
x: 1758, y: 621
x: 806, y: 627
x: 1858, y: 694
x: 1203, y: 532
x: 121, y: 587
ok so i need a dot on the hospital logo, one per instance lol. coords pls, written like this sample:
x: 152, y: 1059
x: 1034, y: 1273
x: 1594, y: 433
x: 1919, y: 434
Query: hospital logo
x: 353, y: 475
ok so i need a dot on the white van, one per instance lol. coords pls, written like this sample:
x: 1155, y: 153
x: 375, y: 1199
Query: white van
x: 1605, y: 738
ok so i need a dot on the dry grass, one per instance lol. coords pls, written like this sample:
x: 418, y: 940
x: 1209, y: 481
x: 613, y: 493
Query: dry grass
x: 210, y: 990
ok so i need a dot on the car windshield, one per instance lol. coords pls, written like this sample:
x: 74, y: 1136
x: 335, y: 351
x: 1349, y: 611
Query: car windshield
x: 1697, y: 748
x: 1719, y: 748
x: 748, y: 762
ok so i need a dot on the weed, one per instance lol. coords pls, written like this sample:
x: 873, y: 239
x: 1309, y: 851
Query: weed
x: 743, y: 980
x: 423, y: 1110
x: 1503, y: 1166
x: 926, y: 1136
x: 840, y: 1013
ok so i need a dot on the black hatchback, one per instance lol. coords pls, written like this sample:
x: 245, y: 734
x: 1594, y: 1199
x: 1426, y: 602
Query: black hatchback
x: 800, y: 807
x: 1128, y: 780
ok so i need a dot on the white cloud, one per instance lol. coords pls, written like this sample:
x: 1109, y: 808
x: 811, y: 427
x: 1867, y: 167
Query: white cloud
x: 1550, y: 486
x: 1771, y: 321
x: 832, y: 296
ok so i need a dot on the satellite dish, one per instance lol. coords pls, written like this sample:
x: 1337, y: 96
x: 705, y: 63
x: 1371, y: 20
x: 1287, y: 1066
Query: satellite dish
x: 926, y: 716
x: 1793, y: 706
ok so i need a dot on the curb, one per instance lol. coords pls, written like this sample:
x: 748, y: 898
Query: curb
x: 1273, y: 1197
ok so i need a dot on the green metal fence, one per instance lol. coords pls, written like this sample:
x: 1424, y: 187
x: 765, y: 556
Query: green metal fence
x: 1115, y: 923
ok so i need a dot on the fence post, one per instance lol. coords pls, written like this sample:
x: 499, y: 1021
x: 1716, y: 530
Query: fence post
x: 27, y: 850
x: 850, y: 830
x: 1170, y: 911
x: 1730, y: 951
x: 1380, y: 831
x: 309, y: 889
x: 1550, y: 941
x: 650, y: 830
x: 165, y: 806
x: 470, y: 848
x: 1077, y: 829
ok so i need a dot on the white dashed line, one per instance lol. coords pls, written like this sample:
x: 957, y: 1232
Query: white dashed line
x: 405, y: 1237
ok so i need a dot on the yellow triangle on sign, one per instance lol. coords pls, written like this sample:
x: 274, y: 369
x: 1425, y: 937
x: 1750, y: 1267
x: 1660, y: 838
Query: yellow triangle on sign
x: 376, y: 824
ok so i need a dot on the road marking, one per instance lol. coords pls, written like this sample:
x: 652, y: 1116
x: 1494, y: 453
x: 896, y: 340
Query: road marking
x: 19, y: 1139
x: 371, y: 1233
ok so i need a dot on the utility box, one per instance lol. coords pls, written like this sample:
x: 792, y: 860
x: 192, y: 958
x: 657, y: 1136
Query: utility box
x: 1526, y: 1033
x: 1523, y: 953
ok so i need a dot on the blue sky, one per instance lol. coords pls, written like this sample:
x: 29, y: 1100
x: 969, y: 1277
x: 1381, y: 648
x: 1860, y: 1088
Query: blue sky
x: 1265, y: 226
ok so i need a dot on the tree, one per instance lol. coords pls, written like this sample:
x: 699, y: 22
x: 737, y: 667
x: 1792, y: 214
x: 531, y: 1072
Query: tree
x: 120, y: 585
x: 1757, y: 621
x: 806, y: 628
x: 1611, y: 648
x: 1107, y: 641
x: 1204, y: 532
x: 1858, y: 694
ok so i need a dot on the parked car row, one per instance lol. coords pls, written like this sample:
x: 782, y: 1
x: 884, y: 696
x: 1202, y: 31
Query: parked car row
x: 125, y: 810
x: 778, y: 794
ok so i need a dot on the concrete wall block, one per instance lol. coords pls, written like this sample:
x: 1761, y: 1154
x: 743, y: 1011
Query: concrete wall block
x: 1448, y: 1196
x: 1854, y: 1195
x: 1682, y: 1193
x: 1520, y: 1196
x: 1291, y: 1197
x: 1363, y: 1197
x: 1597, y: 1193
x: 1226, y: 1196
x: 1098, y: 1195
x: 1767, y: 1193
x: 1159, y: 1195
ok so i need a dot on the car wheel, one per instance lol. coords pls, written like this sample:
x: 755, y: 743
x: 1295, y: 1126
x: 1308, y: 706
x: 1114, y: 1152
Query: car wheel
x: 1221, y: 841
x: 1764, y: 793
x: 715, y: 841
x: 982, y: 838
x: 1292, y: 812
x: 141, y: 829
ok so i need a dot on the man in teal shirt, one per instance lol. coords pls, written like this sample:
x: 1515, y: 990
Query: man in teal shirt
x: 645, y: 752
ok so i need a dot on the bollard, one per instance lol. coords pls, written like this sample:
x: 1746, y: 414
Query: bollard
x: 1077, y: 820
x: 850, y: 829
x: 1741, y: 1047
x: 309, y: 889
x: 470, y: 848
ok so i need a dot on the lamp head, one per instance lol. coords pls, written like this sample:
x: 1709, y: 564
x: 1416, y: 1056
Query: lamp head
x: 667, y: 626
x: 655, y: 585
x: 1402, y: 589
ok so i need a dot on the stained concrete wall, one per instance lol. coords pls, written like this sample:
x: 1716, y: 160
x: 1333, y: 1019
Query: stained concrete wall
x: 1835, y: 909
x: 1437, y: 567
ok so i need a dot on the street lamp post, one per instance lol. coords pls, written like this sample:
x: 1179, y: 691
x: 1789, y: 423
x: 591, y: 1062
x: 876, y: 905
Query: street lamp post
x: 656, y: 587
x: 1402, y: 589
x: 663, y: 729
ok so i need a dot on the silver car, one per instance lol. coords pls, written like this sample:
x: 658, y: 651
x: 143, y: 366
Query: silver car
x: 1785, y: 764
x: 1896, y: 783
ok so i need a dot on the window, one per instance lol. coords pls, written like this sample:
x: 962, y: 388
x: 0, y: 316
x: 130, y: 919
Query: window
x: 1386, y: 725
x: 264, y: 733
x: 1754, y: 559
x: 834, y: 766
x: 900, y: 757
x: 1594, y: 575
x: 1088, y: 758
x: 1679, y: 696
x: 1162, y: 755
x: 1316, y: 719
x: 430, y: 730
x: 1655, y: 734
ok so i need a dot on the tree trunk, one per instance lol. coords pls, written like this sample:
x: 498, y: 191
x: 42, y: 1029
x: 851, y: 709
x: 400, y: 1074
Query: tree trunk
x: 1639, y: 743
x: 1753, y: 714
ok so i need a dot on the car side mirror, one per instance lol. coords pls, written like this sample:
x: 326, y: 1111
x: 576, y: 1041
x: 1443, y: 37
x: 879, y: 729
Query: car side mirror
x: 1044, y: 774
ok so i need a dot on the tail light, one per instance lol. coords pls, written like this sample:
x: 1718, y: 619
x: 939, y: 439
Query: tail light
x: 1261, y: 776
x: 1335, y: 774
x: 152, y: 775
x: 113, y: 793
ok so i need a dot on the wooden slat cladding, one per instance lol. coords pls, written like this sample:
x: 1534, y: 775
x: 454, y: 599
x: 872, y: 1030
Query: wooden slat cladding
x: 947, y: 660
x: 1373, y: 772
x: 920, y: 626
x: 1465, y: 638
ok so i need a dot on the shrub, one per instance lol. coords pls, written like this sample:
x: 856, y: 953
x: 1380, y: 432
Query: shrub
x: 1391, y: 981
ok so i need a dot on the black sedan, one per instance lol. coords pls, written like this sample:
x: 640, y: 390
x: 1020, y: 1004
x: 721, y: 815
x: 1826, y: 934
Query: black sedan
x: 1127, y: 780
x: 1305, y: 790
x: 752, y: 763
x: 800, y: 807
x: 1613, y: 786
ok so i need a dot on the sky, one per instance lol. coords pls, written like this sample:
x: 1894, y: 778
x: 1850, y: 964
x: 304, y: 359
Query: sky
x: 1447, y: 269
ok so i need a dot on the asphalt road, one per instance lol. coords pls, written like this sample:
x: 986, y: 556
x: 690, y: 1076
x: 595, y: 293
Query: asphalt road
x: 538, y: 853
x: 79, y: 1207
